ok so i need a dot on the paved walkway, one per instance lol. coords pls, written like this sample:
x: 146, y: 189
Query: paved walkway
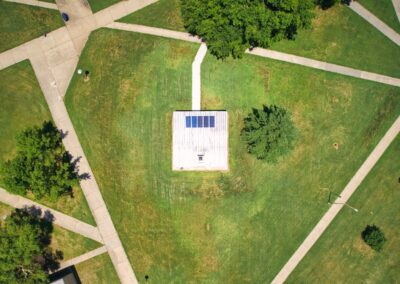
x: 154, y: 31
x: 36, y: 3
x: 396, y: 5
x: 90, y: 188
x: 377, y: 23
x: 266, y: 53
x: 339, y: 203
x: 325, y: 66
x: 196, y: 77
x: 60, y: 219
x: 82, y: 258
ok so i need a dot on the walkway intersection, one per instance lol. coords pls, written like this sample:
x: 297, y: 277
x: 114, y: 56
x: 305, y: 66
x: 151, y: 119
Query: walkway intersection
x: 54, y: 58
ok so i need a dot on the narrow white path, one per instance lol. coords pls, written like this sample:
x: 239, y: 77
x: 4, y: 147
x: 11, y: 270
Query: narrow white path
x: 196, y: 77
x: 325, y: 66
x: 396, y: 5
x: 41, y: 4
x: 339, y: 203
x: 82, y: 258
x: 60, y: 219
x: 377, y: 23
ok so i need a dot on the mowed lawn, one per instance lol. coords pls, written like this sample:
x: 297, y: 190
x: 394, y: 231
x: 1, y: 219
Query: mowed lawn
x: 70, y: 244
x: 162, y: 14
x: 384, y: 10
x: 99, y: 270
x: 237, y: 227
x: 341, y: 256
x: 23, y: 105
x: 20, y: 23
x: 341, y: 36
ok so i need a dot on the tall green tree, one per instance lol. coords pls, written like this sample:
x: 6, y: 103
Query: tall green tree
x: 269, y: 133
x: 42, y: 165
x: 24, y: 251
x: 230, y: 26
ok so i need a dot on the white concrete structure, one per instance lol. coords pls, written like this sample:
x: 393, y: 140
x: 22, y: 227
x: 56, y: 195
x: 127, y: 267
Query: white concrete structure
x: 196, y: 81
x: 200, y: 141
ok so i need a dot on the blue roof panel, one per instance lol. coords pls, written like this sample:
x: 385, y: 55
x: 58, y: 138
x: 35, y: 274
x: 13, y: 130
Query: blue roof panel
x: 212, y: 121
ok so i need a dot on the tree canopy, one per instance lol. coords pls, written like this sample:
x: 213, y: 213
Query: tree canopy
x: 374, y: 237
x: 42, y: 165
x: 24, y: 253
x: 269, y: 133
x: 230, y: 26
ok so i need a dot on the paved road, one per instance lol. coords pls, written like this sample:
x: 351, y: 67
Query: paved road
x: 60, y: 219
x: 377, y: 23
x: 196, y: 77
x: 36, y: 3
x: 339, y: 203
x: 83, y: 257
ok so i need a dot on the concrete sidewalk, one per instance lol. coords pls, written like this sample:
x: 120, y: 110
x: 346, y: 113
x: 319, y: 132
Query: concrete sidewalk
x: 377, y: 23
x: 196, y: 77
x: 154, y: 31
x: 82, y: 258
x: 89, y: 186
x: 325, y: 66
x: 36, y: 3
x: 321, y: 65
x: 60, y: 219
x: 339, y: 203
x: 396, y: 6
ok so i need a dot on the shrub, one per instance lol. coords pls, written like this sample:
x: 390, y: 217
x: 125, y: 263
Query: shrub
x: 374, y: 237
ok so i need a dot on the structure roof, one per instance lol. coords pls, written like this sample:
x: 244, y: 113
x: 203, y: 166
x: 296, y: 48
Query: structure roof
x: 200, y: 141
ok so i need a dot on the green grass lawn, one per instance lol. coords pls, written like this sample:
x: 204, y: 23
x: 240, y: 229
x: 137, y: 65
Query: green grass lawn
x: 23, y: 105
x: 211, y: 227
x: 20, y: 23
x: 341, y: 36
x: 71, y: 244
x: 162, y: 14
x: 384, y: 10
x: 99, y: 270
x: 341, y: 256
x: 97, y: 5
